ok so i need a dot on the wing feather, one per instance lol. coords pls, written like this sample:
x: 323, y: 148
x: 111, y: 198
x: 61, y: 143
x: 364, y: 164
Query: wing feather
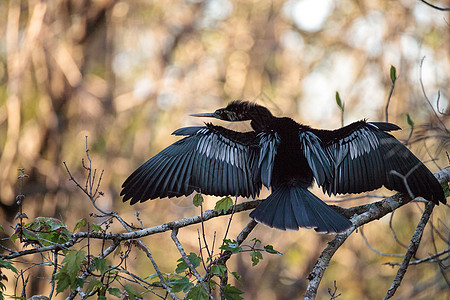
x: 362, y: 157
x: 209, y: 159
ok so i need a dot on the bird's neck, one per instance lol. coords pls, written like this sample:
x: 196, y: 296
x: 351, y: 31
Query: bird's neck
x: 270, y: 123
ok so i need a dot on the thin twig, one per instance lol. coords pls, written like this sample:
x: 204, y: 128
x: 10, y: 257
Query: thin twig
x: 412, y: 249
x: 391, y: 227
x: 426, y: 97
x: 437, y: 105
x: 229, y: 223
x: 436, y: 7
x: 361, y: 229
x: 386, y: 108
x: 431, y: 258
x: 55, y: 269
x: 203, y: 230
x: 188, y: 262
x: 158, y: 272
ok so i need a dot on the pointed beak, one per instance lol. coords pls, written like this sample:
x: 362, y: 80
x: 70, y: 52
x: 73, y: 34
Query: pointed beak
x: 207, y: 115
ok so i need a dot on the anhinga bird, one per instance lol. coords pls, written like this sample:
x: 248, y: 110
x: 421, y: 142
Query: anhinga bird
x: 285, y: 156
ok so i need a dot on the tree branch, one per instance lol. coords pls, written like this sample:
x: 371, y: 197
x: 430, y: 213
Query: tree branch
x: 359, y: 215
x: 412, y: 249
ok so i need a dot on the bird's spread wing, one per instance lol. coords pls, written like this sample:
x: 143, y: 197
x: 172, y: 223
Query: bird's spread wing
x: 210, y: 159
x: 362, y: 157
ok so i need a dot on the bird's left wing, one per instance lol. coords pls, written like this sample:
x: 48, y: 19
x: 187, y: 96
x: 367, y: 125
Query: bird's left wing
x: 210, y: 159
x: 362, y: 157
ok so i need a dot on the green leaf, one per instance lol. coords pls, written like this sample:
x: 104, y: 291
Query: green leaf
x: 212, y: 284
x: 339, y: 101
x: 73, y: 262
x: 409, y: 120
x: 62, y: 281
x: 115, y: 292
x: 101, y: 297
x: 269, y: 249
x: 223, y: 204
x: 13, y: 237
x: 78, y: 282
x: 256, y: 256
x: 231, y: 245
x: 236, y: 276
x: 7, y: 265
x: 96, y: 228
x: 94, y: 283
x: 393, y: 74
x: 232, y: 293
x: 181, y: 284
x: 47, y: 231
x: 198, y: 200
x: 255, y: 240
x: 132, y: 294
x: 193, y: 258
x: 100, y: 265
x: 218, y: 270
x: 80, y: 223
x: 197, y: 293
x: 446, y: 189
x: 1, y: 228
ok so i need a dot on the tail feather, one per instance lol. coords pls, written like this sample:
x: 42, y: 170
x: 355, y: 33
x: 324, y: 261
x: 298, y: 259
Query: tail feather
x: 294, y: 207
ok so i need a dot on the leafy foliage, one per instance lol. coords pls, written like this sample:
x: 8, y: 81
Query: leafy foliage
x: 339, y: 102
x: 409, y: 120
x: 393, y: 74
x: 231, y: 245
x: 198, y: 200
x: 44, y: 231
x: 5, y: 265
x: 256, y: 256
x: 223, y: 204
x: 233, y: 293
x: 197, y: 293
x: 80, y: 224
x: 182, y: 265
x: 68, y: 275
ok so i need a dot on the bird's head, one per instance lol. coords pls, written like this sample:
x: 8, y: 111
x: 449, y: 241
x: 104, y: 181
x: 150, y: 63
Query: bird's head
x: 239, y: 111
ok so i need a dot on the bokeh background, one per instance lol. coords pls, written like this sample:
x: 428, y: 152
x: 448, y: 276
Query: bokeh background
x: 127, y: 73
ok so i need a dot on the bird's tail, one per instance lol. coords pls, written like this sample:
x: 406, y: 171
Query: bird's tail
x: 294, y: 207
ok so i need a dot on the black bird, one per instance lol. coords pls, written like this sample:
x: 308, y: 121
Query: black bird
x: 286, y: 156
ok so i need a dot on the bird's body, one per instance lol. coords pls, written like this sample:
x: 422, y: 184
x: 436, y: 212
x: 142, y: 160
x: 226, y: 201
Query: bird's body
x: 285, y: 156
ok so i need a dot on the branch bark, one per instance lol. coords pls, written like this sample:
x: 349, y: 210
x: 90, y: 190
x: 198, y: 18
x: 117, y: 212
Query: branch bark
x: 360, y: 215
x: 412, y: 249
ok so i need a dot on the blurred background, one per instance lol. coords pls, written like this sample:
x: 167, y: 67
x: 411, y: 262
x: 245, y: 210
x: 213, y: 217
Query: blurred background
x: 126, y: 74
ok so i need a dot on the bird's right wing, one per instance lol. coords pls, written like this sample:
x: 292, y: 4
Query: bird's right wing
x: 210, y: 159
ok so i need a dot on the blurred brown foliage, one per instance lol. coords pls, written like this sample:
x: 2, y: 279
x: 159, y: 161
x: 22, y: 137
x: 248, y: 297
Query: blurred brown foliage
x: 127, y: 73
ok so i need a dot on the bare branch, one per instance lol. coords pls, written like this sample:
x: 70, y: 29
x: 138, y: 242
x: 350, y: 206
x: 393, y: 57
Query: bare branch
x: 386, y: 108
x: 188, y: 262
x: 412, y: 249
x: 359, y: 215
x: 431, y: 258
x: 436, y: 7
x: 361, y: 229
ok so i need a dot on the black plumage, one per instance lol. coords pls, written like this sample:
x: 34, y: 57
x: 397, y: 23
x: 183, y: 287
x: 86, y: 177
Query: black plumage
x: 286, y: 157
